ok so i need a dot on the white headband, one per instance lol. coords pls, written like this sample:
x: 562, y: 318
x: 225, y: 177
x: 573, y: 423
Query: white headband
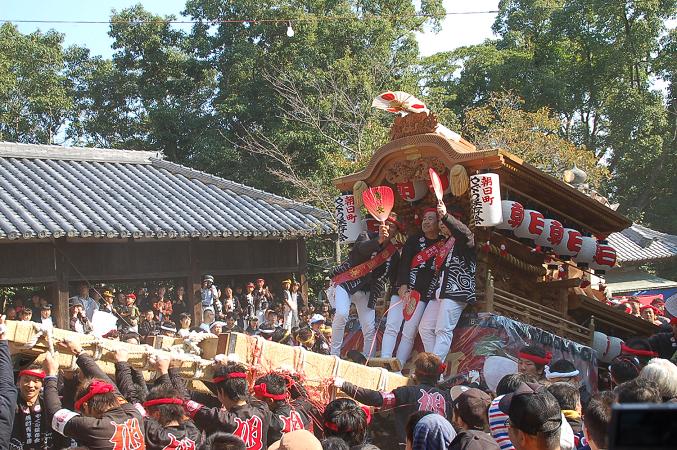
x: 550, y: 375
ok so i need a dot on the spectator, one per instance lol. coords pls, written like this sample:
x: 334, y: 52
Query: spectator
x: 216, y: 327
x: 208, y: 293
x: 345, y: 419
x: 231, y: 324
x: 648, y: 313
x: 263, y: 299
x: 88, y: 303
x: 323, y: 296
x: 8, y: 391
x: 562, y: 371
x: 107, y: 303
x: 180, y: 305
x: 665, y: 343
x: 26, y: 315
x: 149, y: 326
x: 129, y: 313
x: 46, y: 316
x: 534, y: 416
x: 78, y: 321
x: 184, y: 324
x: 471, y: 422
x: 433, y: 432
x: 290, y: 305
x: 253, y: 326
x: 624, y: 368
x: 297, y: 440
x: 639, y: 390
x: 228, y: 301
x: 569, y: 402
x: 532, y: 361
x: 664, y: 374
x: 35, y: 305
x: 597, y: 422
x: 168, y: 328
x: 498, y: 419
x: 10, y: 312
x: 208, y: 317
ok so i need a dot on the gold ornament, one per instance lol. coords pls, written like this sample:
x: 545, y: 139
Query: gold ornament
x: 358, y: 188
x: 459, y: 181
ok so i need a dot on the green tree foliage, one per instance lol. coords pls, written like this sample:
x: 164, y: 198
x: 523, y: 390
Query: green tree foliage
x: 36, y: 98
x: 592, y: 63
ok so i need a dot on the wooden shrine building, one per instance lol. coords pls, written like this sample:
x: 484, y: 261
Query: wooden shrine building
x: 100, y: 215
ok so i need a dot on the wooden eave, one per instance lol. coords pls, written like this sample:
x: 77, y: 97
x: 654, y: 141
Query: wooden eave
x: 609, y: 319
x: 517, y: 178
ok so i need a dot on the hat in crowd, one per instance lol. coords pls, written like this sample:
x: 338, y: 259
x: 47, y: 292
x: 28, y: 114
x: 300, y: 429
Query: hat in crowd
x: 327, y: 279
x: 266, y: 331
x: 208, y: 278
x: 286, y: 281
x: 472, y: 405
x: 46, y: 307
x: 76, y: 302
x: 297, y: 440
x: 208, y: 308
x: 316, y: 318
x: 532, y: 409
x: 456, y: 391
x: 260, y: 279
x: 252, y: 318
x: 250, y: 284
x: 132, y: 296
x: 168, y: 326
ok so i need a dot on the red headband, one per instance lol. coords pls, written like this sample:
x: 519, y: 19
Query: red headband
x: 95, y: 388
x: 440, y: 370
x: 229, y: 376
x: 636, y: 352
x: 162, y: 401
x: 261, y: 390
x: 396, y: 223
x: 536, y: 359
x: 427, y: 210
x: 32, y: 373
x: 333, y: 427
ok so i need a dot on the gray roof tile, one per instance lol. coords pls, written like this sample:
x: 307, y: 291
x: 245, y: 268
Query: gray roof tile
x: 50, y: 191
x: 639, y: 244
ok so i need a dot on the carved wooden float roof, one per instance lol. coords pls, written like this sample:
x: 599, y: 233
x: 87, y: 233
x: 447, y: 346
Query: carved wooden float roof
x: 519, y: 179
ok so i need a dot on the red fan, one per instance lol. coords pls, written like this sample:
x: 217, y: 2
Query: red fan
x: 379, y: 202
x: 410, y: 304
x: 437, y: 184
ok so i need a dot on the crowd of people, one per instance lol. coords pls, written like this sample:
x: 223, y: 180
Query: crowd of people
x: 538, y: 408
x: 653, y: 312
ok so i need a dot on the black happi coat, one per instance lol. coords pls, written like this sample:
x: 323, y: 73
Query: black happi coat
x: 32, y: 431
x: 457, y: 280
x: 418, y: 278
x: 382, y: 276
x: 248, y: 422
x: 664, y: 344
x: 363, y: 249
x: 404, y: 401
x: 286, y: 418
x: 120, y: 428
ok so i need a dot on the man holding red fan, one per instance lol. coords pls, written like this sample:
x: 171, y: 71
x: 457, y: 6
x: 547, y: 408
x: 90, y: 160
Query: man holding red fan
x: 352, y: 281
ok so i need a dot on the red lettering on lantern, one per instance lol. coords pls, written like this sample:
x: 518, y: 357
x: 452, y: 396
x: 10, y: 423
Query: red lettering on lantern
x: 516, y: 215
x: 575, y: 241
x: 605, y: 256
x: 536, y: 224
x: 556, y: 233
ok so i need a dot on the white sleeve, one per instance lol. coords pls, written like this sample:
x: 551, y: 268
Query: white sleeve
x: 61, y: 418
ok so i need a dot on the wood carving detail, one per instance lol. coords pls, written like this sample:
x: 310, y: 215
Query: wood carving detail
x: 412, y: 124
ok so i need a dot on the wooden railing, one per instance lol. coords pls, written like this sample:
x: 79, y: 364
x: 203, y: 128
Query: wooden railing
x: 527, y: 311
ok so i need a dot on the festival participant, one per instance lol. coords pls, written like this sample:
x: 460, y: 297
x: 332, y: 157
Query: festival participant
x: 415, y: 273
x: 664, y: 374
x: 569, y: 400
x: 352, y: 281
x: 272, y: 390
x: 345, y: 419
x: 648, y: 313
x: 432, y: 432
x: 405, y: 400
x: 535, y: 420
x: 8, y: 390
x: 470, y: 422
x: 562, y: 371
x: 597, y: 422
x: 532, y: 360
x: 452, y: 290
x: 639, y: 390
x: 623, y: 368
x: 640, y: 348
x: 665, y: 344
x: 306, y: 338
x: 102, y: 419
x: 247, y: 421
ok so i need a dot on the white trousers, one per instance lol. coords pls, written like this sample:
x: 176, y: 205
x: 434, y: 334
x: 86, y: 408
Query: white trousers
x: 437, y: 325
x: 367, y: 318
x: 393, y: 325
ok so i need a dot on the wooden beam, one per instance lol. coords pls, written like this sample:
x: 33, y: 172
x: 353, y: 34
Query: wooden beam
x: 59, y: 288
x: 193, y: 283
x: 558, y: 284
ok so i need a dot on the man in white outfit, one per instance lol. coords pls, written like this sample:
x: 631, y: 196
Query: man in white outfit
x: 452, y: 289
x: 415, y: 273
x: 352, y: 280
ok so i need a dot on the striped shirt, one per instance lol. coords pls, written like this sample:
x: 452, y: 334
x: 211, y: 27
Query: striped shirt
x: 497, y: 426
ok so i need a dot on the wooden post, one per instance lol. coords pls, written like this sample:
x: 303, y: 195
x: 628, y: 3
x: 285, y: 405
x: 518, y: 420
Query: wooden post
x: 194, y: 283
x: 489, y: 292
x: 58, y: 290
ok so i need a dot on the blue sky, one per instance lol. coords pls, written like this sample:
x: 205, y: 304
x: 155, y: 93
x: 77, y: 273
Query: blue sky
x: 456, y: 31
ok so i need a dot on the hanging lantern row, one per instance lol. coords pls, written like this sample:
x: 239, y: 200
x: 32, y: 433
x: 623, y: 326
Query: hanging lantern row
x: 549, y: 233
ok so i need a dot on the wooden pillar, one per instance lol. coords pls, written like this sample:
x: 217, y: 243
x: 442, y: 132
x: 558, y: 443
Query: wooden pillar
x: 58, y: 290
x: 302, y: 262
x: 194, y: 282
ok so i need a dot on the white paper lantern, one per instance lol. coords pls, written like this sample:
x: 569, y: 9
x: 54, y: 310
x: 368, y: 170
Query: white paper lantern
x: 412, y: 191
x: 485, y: 200
x: 605, y: 257
x: 587, y: 252
x: 532, y: 225
x: 571, y: 243
x: 553, y: 232
x: 606, y: 347
x: 348, y: 220
x: 513, y: 215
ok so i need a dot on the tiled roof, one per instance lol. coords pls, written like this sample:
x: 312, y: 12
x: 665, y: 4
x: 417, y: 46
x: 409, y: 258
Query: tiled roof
x: 50, y: 191
x: 639, y: 244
